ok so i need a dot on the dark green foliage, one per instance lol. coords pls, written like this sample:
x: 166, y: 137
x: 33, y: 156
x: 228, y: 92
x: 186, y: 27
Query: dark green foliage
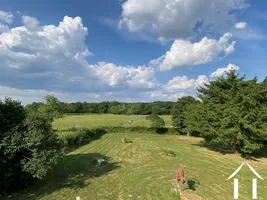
x: 28, y: 146
x: 179, y: 111
x: 83, y: 136
x: 156, y: 121
x: 113, y: 107
x: 233, y: 113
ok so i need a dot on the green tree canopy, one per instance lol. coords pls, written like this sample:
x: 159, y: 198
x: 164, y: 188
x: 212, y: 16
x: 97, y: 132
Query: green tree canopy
x: 179, y: 110
x: 156, y: 121
x: 234, y: 112
x: 29, y: 148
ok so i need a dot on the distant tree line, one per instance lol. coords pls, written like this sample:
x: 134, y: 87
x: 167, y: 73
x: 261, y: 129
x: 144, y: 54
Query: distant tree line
x: 112, y: 107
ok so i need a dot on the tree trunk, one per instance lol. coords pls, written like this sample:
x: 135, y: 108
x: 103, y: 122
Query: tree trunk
x: 233, y: 144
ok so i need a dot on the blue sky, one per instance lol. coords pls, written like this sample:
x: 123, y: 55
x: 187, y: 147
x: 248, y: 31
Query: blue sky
x: 132, y: 50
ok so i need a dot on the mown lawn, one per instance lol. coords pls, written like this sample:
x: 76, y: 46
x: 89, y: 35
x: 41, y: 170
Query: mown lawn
x: 141, y: 170
x: 94, y: 121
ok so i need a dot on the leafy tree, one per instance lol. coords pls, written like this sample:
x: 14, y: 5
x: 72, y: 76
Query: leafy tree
x: 29, y: 148
x: 52, y: 107
x: 194, y: 119
x: 179, y: 110
x: 156, y: 121
x: 235, y: 112
x: 114, y: 109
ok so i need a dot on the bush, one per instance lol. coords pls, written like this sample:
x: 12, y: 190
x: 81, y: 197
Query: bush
x: 29, y: 146
x: 156, y: 121
x: 82, y: 136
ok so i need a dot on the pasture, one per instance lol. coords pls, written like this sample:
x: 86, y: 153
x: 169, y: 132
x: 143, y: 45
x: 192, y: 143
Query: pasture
x: 97, y: 120
x: 143, y: 170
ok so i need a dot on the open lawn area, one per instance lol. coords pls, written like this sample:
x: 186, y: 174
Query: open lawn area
x: 143, y: 170
x: 97, y: 120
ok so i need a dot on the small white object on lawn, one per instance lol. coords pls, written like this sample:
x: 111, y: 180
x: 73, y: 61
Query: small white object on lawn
x: 78, y: 198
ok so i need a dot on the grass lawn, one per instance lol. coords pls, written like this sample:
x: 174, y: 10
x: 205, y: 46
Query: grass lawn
x: 141, y: 170
x: 94, y: 121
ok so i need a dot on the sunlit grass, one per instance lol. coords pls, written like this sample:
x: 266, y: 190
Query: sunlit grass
x: 142, y: 170
x: 95, y: 121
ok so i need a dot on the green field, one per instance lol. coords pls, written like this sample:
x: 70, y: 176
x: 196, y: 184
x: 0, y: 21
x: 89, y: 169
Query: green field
x: 142, y: 169
x: 94, y: 121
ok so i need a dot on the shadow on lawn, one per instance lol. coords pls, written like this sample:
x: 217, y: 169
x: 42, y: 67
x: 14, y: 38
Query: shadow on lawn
x: 226, y: 150
x: 74, y: 171
x: 191, y: 184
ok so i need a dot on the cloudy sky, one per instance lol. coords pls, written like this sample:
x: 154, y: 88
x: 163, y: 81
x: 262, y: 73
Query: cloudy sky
x: 133, y: 50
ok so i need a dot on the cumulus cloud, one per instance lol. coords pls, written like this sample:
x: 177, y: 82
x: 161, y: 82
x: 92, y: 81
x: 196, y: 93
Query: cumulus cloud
x: 30, y: 22
x: 185, y: 53
x: 241, y: 25
x: 37, y: 60
x: 183, y: 83
x: 45, y: 57
x: 6, y: 17
x: 3, y: 28
x: 125, y: 77
x: 221, y: 71
x: 172, y: 19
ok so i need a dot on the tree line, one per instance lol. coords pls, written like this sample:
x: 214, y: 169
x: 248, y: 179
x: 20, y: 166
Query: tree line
x: 112, y: 107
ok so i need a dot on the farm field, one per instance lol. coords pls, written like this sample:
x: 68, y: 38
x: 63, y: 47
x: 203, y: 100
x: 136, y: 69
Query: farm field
x: 142, y: 170
x: 97, y: 120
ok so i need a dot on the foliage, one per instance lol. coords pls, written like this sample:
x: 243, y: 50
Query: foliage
x: 234, y: 113
x: 156, y: 121
x: 179, y: 110
x: 29, y: 148
x: 113, y: 107
x: 82, y: 136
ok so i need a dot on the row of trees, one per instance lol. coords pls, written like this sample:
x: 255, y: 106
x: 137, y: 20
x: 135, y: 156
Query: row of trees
x: 232, y: 112
x: 113, y: 107
x: 29, y: 148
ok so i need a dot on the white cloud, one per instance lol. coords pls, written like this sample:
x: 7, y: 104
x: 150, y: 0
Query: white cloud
x: 241, y: 25
x: 221, y: 71
x: 30, y: 22
x: 6, y: 17
x: 3, y: 28
x: 183, y: 83
x: 125, y: 77
x: 45, y: 57
x: 185, y: 53
x: 173, y: 19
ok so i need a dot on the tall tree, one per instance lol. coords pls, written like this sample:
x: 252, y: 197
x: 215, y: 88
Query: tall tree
x: 179, y: 110
x: 235, y: 112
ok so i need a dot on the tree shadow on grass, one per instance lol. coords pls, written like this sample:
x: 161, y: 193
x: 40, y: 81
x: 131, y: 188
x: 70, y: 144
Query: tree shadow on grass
x: 214, y: 147
x: 226, y: 150
x: 74, y: 171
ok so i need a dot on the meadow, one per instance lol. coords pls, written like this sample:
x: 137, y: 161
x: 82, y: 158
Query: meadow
x: 97, y: 120
x: 142, y: 169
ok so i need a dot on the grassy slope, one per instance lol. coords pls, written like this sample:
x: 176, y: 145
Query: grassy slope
x: 94, y: 121
x: 140, y: 170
